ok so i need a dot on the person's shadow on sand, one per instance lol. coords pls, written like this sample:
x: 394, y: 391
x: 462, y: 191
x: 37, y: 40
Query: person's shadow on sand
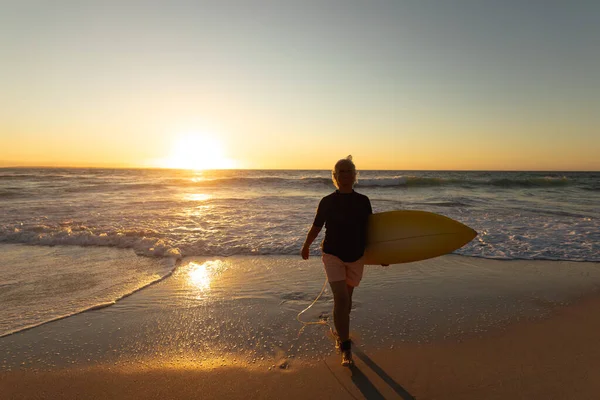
x: 366, y: 387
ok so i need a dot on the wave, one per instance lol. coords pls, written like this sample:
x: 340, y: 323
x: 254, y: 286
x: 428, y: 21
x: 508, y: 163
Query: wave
x: 413, y: 181
x: 393, y: 181
x: 317, y: 180
x: 531, y: 182
x: 554, y: 213
x: 443, y: 204
x: 592, y: 188
x: 94, y: 307
x: 144, y: 242
x: 38, y: 177
x: 249, y: 181
x: 111, y: 186
x: 517, y: 258
x: 321, y: 181
x: 410, y: 181
x: 10, y: 193
x: 74, y: 184
x: 148, y: 243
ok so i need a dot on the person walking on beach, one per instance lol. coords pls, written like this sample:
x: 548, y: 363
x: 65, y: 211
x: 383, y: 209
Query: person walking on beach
x: 345, y: 214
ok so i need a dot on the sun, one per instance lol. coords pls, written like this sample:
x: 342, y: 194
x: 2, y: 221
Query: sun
x: 197, y: 151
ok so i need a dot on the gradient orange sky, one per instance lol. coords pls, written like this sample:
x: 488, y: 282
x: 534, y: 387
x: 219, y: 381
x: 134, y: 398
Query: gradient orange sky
x: 289, y: 84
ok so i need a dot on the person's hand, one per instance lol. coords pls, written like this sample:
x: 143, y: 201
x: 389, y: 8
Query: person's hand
x: 305, y: 252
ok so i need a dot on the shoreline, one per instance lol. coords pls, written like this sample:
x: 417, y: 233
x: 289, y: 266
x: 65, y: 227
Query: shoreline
x: 515, y: 264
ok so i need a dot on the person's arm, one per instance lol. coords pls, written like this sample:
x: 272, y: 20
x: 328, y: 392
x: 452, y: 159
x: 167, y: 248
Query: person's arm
x: 310, y: 237
x: 320, y: 218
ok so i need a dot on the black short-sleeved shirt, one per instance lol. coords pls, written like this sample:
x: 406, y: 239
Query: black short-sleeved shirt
x: 345, y: 216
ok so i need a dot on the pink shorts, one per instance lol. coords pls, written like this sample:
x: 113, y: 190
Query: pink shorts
x: 338, y: 270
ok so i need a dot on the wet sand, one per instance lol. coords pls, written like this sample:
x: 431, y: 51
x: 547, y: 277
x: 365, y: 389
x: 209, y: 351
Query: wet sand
x: 549, y: 355
x: 556, y: 358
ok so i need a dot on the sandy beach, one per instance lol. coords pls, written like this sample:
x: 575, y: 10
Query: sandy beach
x: 512, y: 339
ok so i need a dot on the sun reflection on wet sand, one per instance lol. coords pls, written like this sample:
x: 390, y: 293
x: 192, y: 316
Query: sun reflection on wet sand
x: 202, y: 275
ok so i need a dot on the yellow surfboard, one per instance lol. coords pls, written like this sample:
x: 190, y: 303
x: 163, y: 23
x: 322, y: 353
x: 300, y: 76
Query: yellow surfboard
x: 396, y: 237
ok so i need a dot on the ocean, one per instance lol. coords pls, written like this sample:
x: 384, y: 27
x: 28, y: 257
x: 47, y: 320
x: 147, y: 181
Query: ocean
x: 80, y: 239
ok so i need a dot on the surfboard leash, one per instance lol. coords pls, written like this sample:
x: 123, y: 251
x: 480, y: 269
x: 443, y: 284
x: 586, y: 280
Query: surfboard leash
x: 321, y: 322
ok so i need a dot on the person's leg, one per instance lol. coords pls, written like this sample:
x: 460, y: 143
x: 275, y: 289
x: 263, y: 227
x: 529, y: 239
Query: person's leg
x: 341, y: 319
x: 354, y: 274
x: 342, y: 289
x: 341, y: 309
x: 350, y: 291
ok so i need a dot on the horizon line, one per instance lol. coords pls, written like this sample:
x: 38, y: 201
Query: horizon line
x: 282, y: 169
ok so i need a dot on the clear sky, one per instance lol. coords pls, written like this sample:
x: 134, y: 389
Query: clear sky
x: 299, y: 84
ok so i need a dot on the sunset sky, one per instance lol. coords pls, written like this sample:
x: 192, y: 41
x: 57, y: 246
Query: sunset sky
x: 508, y: 85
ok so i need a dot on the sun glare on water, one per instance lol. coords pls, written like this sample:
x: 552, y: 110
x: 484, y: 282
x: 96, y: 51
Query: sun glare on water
x: 197, y: 151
